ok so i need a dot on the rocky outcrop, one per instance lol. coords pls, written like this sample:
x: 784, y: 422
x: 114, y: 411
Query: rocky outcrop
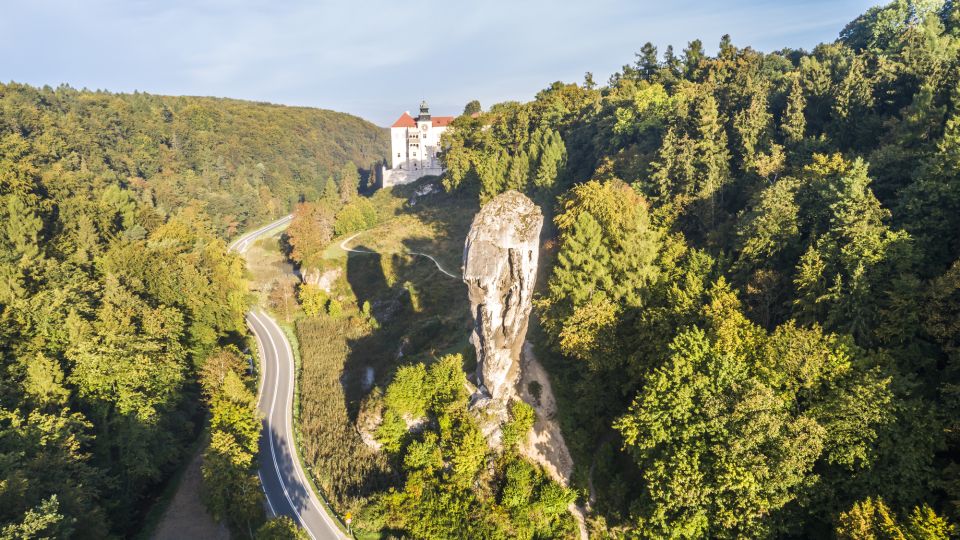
x: 545, y: 443
x: 324, y: 280
x: 499, y: 268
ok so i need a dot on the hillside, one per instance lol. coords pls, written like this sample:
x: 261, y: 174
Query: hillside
x: 241, y: 162
x: 752, y: 290
x: 116, y: 290
x: 748, y: 306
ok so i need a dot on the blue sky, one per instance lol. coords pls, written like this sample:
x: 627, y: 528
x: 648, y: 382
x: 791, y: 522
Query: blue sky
x: 375, y: 58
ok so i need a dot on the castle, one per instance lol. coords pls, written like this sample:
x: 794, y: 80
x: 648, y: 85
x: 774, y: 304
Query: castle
x: 414, y: 145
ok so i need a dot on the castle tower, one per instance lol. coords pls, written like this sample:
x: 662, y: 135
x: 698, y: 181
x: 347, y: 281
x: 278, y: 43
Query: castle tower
x: 424, y: 112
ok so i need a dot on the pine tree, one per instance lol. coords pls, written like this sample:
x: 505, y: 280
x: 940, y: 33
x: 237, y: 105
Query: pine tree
x: 647, y: 62
x: 349, y: 182
x: 552, y: 159
x: 794, y: 123
x: 727, y: 50
x: 518, y: 175
x: 752, y: 126
x: 712, y: 157
x: 583, y: 264
x: 692, y: 56
x: 853, y: 100
x: 19, y: 246
x: 331, y: 193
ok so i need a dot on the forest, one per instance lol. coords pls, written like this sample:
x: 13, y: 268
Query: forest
x: 121, y: 310
x: 752, y: 303
x: 749, y: 300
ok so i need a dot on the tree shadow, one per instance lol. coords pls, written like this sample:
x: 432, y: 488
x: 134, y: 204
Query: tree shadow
x: 449, y: 215
x: 284, y: 489
x: 421, y: 314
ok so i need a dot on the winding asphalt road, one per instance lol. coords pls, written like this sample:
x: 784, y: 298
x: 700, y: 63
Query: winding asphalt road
x: 284, y: 483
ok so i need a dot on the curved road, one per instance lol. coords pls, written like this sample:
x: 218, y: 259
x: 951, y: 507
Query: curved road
x: 284, y: 483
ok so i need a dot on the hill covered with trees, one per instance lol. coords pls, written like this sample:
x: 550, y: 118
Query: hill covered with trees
x: 753, y: 294
x: 239, y: 162
x: 118, y: 295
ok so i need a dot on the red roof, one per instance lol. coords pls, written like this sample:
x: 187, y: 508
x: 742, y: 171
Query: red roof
x: 441, y: 121
x: 405, y: 120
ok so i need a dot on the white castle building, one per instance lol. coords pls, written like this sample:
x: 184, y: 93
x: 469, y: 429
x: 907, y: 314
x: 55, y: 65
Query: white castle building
x: 414, y: 143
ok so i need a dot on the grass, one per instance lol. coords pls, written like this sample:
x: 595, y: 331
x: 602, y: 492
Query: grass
x: 291, y: 334
x: 421, y: 315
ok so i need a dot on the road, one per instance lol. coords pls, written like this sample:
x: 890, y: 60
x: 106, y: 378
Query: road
x: 286, y: 487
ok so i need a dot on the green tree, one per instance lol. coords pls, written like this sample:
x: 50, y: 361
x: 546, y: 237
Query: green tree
x: 355, y: 216
x: 280, y: 528
x: 44, y: 521
x: 309, y: 232
x: 647, y: 62
x: 713, y: 471
x: 522, y: 417
x: 794, y: 123
x: 349, y: 182
x: 871, y: 519
x: 583, y: 264
x: 313, y: 299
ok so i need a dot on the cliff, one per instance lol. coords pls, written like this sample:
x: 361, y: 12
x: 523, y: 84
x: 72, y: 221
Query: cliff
x: 499, y: 267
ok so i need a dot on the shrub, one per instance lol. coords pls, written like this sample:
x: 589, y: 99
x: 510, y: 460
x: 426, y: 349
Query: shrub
x: 521, y: 420
x: 334, y: 308
x: 409, y: 392
x: 357, y: 215
x: 536, y: 390
x: 313, y: 300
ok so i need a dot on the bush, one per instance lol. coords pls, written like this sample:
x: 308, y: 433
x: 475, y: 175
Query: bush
x: 281, y: 528
x: 414, y: 296
x: 367, y: 313
x: 334, y: 308
x: 313, y: 300
x: 522, y: 418
x: 409, y: 392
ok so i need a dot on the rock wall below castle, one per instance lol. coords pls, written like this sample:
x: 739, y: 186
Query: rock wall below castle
x: 399, y: 177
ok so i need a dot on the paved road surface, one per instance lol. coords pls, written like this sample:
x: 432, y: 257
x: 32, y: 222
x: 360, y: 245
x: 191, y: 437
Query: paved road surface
x: 284, y: 482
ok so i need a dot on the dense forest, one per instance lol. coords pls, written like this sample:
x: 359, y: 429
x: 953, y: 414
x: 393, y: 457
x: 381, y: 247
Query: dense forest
x: 749, y: 300
x: 752, y: 300
x: 119, y: 303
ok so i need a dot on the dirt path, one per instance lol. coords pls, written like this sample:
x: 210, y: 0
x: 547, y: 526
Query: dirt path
x: 343, y: 246
x: 186, y: 517
x: 545, y: 444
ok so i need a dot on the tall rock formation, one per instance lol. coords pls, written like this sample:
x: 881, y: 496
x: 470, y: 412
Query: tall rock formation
x: 499, y: 268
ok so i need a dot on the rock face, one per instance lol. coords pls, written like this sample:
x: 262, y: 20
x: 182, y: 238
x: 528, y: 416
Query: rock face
x: 499, y: 267
x: 324, y: 280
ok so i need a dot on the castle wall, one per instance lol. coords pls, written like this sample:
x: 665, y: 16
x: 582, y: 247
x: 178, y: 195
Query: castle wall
x: 399, y: 177
x: 398, y: 147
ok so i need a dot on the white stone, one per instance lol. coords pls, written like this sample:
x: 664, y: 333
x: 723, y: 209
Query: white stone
x: 500, y: 259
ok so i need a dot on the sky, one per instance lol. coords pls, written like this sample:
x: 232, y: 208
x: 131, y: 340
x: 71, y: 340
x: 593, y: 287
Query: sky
x: 377, y: 58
